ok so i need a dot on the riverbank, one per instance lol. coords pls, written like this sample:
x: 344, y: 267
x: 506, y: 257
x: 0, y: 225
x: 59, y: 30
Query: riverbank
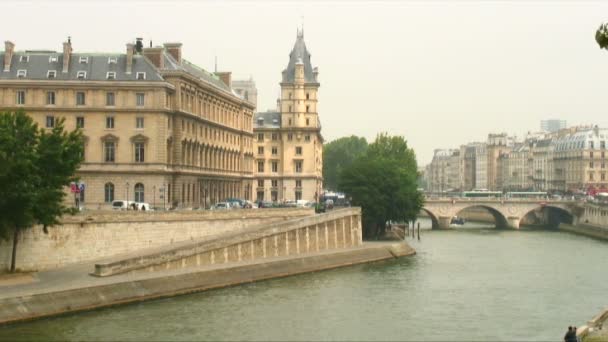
x: 72, y: 289
x: 586, y: 230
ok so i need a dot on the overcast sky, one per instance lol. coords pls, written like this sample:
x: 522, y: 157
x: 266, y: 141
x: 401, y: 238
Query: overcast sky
x: 439, y: 73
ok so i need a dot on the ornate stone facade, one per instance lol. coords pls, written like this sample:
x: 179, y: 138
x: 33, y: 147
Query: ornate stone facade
x: 158, y: 128
x: 289, y: 144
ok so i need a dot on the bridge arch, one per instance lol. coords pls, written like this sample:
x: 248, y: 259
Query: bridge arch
x: 552, y: 215
x: 433, y: 216
x: 499, y: 218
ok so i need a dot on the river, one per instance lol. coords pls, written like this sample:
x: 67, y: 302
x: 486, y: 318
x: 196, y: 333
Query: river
x: 470, y: 283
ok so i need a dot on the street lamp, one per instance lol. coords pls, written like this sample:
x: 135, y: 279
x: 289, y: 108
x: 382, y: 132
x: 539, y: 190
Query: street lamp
x: 153, y: 196
x: 127, y: 195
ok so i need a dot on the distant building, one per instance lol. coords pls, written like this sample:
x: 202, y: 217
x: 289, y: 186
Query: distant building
x: 247, y: 90
x: 552, y: 125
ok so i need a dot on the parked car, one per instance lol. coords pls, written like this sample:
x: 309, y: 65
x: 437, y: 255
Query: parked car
x: 221, y: 206
x: 235, y: 202
x: 290, y: 204
x: 265, y: 204
x: 329, y: 204
x: 122, y: 205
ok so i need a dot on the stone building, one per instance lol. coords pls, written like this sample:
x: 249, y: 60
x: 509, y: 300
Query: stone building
x: 443, y: 174
x: 497, y: 144
x: 157, y: 128
x: 288, y: 142
x: 246, y: 89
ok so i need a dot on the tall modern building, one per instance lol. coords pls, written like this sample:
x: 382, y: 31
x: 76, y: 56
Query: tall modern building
x: 289, y: 145
x: 552, y: 125
x: 157, y: 128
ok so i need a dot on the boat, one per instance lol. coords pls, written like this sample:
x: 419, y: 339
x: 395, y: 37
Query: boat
x: 459, y: 221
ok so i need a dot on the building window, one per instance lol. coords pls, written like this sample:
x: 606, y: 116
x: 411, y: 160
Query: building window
x: 260, y: 183
x: 274, y: 195
x: 260, y: 166
x: 290, y: 136
x: 108, y: 190
x: 139, y: 192
x: 298, y: 183
x: 275, y: 166
x: 83, y: 60
x: 307, y: 137
x: 260, y: 149
x: 298, y: 195
x: 50, y: 121
x: 141, y: 75
x: 109, y: 99
x: 307, y: 122
x: 299, y: 150
x: 21, y: 97
x: 140, y: 99
x: 260, y: 136
x: 275, y: 150
x: 274, y: 136
x: 109, y: 122
x: 299, y: 166
x: 51, y: 74
x: 112, y: 60
x: 603, y: 176
x: 109, y: 148
x: 289, y: 109
x: 275, y: 183
x: 81, y: 75
x: 307, y: 96
x: 79, y: 122
x: 591, y: 155
x: 21, y: 73
x: 260, y: 195
x: 111, y: 75
x: 139, y: 122
x: 307, y: 110
x: 591, y: 165
x: 80, y: 98
x: 139, y: 152
x: 290, y: 96
x: 590, y: 176
x: 602, y: 144
x: 289, y: 122
x: 50, y: 98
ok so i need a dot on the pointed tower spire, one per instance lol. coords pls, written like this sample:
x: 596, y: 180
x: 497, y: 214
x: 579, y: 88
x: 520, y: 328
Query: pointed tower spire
x: 215, y: 63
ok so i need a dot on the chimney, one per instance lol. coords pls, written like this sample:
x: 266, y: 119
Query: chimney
x: 67, y: 53
x: 130, y: 48
x: 9, y: 49
x: 155, y: 56
x: 279, y: 105
x: 175, y: 50
x: 315, y: 73
x: 226, y: 77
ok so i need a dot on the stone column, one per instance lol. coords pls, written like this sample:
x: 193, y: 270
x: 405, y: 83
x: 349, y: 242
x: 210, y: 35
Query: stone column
x: 444, y: 222
x: 513, y: 222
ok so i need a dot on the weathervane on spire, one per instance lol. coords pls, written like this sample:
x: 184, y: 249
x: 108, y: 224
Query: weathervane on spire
x: 301, y: 29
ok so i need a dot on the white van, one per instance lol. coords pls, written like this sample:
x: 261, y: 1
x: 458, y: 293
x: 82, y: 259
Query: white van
x: 122, y: 205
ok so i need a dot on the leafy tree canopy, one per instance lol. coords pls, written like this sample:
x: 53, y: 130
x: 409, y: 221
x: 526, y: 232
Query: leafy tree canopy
x: 339, y: 155
x: 601, y: 36
x: 383, y: 181
x: 36, y: 165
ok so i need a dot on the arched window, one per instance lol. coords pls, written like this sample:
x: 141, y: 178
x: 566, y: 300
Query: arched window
x: 109, y: 192
x: 139, y: 192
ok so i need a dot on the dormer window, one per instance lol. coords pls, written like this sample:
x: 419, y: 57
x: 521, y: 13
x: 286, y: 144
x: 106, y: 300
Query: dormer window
x: 112, y: 60
x: 83, y: 59
x: 141, y: 76
x: 51, y: 74
x: 260, y: 122
x: 21, y: 73
x: 111, y: 75
x: 52, y: 59
x: 24, y: 59
x: 81, y: 75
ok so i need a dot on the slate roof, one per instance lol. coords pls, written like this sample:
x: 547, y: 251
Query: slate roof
x: 194, y: 70
x: 269, y: 120
x: 299, y: 53
x: 96, y: 67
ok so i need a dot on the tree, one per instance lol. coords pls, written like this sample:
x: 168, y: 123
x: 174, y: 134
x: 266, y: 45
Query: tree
x: 601, y: 36
x: 339, y: 155
x: 383, y: 182
x: 35, y: 167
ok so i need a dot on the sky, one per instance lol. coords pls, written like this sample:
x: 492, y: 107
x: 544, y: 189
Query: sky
x: 441, y: 74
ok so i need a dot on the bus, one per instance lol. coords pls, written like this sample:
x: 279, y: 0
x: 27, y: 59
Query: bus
x: 527, y: 194
x: 483, y: 193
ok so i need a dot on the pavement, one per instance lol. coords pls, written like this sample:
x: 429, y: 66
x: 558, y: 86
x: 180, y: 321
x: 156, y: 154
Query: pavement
x: 78, y: 276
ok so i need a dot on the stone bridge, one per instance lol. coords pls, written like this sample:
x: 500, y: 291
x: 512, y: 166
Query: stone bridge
x: 507, y: 213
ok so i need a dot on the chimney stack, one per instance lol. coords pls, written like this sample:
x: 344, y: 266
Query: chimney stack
x: 67, y: 54
x: 155, y: 56
x: 130, y: 48
x: 9, y: 50
x: 226, y: 77
x: 175, y: 50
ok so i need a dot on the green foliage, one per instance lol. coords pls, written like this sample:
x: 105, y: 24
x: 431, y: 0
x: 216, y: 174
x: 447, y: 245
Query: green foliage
x: 601, y: 36
x: 339, y: 155
x: 35, y: 167
x: 383, y: 181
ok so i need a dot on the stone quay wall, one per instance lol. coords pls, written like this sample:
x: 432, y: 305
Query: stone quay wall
x: 95, y: 235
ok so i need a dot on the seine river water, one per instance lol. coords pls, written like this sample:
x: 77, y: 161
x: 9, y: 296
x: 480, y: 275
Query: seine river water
x: 470, y: 283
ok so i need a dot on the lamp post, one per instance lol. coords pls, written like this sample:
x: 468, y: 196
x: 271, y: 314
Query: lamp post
x: 153, y: 196
x: 127, y: 195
